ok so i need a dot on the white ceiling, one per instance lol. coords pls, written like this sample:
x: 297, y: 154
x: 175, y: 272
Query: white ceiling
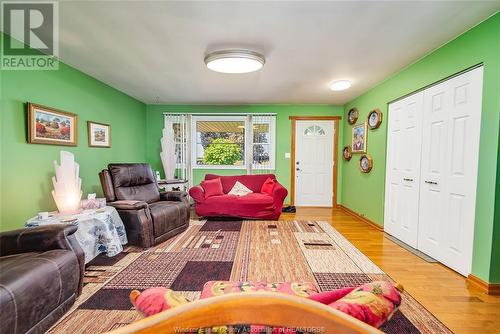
x: 151, y: 49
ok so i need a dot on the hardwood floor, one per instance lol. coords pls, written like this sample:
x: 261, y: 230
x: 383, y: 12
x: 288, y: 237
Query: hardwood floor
x: 462, y: 307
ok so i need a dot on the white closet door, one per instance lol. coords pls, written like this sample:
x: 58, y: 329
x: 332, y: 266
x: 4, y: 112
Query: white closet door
x: 434, y: 151
x: 403, y: 169
x: 451, y: 127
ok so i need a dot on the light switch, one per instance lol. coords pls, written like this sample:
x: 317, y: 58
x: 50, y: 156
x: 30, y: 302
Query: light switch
x: 287, y: 155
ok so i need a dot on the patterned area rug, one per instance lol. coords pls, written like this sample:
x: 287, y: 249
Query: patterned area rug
x: 231, y: 250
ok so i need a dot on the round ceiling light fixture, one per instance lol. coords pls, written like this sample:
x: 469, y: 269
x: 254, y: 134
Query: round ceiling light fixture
x: 234, y: 61
x: 340, y: 85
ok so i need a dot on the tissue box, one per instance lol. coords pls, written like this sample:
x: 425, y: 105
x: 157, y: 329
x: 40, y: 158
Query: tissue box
x: 95, y: 203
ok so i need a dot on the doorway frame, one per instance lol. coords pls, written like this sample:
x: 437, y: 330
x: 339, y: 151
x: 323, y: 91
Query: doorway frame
x: 336, y: 121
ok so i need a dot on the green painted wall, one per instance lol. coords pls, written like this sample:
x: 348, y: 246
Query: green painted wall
x: 495, y: 253
x: 283, y: 132
x: 26, y: 169
x: 364, y: 193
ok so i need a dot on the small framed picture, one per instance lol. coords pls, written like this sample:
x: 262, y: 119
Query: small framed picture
x: 51, y: 126
x: 99, y: 134
x: 347, y: 153
x: 365, y: 163
x: 359, y: 138
x: 374, y: 118
x: 352, y: 116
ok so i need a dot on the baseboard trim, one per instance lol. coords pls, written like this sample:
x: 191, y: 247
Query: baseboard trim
x: 363, y: 219
x: 488, y: 288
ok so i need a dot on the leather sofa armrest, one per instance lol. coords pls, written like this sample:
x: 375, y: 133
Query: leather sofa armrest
x: 37, y: 239
x: 136, y: 216
x: 197, y: 193
x: 107, y: 185
x: 44, y: 238
x: 129, y: 205
x: 177, y: 196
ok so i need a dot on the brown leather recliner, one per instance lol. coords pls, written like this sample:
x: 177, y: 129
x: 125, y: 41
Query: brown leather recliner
x: 41, y: 274
x: 150, y: 217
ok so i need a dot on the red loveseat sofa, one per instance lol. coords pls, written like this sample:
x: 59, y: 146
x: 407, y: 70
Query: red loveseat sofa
x: 254, y: 206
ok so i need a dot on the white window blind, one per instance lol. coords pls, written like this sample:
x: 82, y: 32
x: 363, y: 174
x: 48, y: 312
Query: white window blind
x: 263, y: 130
x: 175, y: 142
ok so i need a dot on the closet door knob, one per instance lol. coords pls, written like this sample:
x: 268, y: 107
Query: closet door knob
x: 431, y: 182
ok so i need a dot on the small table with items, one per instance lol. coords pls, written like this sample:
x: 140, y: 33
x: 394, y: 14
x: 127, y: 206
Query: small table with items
x: 173, y: 185
x: 99, y: 231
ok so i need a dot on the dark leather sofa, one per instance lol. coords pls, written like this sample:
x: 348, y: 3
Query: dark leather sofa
x: 150, y: 217
x: 41, y: 274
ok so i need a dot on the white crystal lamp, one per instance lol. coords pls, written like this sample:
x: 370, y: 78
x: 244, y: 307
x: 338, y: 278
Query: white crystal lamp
x: 67, y: 185
x: 167, y: 153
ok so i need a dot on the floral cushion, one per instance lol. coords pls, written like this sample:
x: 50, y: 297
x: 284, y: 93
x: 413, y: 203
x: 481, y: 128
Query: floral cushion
x: 217, y: 288
x: 155, y: 300
x: 373, y: 303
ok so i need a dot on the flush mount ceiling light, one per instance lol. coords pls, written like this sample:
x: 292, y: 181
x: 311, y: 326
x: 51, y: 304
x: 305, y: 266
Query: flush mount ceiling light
x: 234, y: 61
x: 340, y: 85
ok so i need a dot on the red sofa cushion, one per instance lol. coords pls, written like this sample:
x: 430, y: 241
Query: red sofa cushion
x: 247, y: 200
x: 252, y: 182
x: 268, y: 186
x: 254, y: 205
x: 212, y: 187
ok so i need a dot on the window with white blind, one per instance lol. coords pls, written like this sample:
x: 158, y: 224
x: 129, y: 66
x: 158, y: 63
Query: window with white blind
x: 233, y: 142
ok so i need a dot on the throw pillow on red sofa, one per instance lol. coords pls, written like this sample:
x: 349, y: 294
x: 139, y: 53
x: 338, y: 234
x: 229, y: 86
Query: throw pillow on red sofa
x: 268, y: 186
x: 212, y: 187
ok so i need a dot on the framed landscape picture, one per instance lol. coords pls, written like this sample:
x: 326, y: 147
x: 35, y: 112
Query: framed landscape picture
x: 99, y: 134
x: 359, y: 138
x: 51, y: 126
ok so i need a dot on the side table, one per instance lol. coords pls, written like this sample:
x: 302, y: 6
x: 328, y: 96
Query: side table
x: 169, y: 185
x: 99, y: 231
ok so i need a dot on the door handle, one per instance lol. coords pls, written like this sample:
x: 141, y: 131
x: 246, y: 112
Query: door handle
x: 406, y: 179
x: 431, y: 182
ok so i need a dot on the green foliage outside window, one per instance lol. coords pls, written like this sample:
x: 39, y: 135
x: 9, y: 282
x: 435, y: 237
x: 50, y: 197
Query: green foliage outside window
x: 222, y: 152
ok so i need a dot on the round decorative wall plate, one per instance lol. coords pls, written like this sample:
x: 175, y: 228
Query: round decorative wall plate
x: 374, y: 118
x: 352, y: 116
x: 347, y: 153
x: 365, y: 163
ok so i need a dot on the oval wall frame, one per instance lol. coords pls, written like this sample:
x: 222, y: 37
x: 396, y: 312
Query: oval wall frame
x: 347, y: 153
x: 365, y: 163
x: 374, y: 119
x: 352, y: 116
